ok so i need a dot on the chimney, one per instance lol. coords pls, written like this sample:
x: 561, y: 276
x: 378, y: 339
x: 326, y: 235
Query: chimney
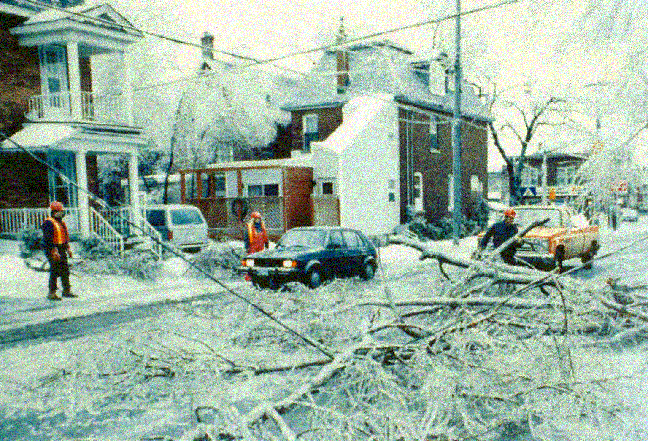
x: 342, y: 56
x: 207, y: 43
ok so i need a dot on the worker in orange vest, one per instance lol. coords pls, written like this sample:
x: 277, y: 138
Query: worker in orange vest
x: 56, y: 245
x: 256, y: 235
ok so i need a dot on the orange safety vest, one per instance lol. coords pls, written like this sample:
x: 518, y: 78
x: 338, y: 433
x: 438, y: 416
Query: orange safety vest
x: 257, y: 239
x: 60, y: 234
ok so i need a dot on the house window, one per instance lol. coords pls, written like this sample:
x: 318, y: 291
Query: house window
x: 271, y: 190
x: 212, y: 185
x: 327, y: 188
x: 434, y: 135
x: 565, y: 175
x: 310, y: 123
x: 257, y: 190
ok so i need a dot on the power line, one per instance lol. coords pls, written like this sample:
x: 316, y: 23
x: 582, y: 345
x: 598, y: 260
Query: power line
x: 113, y: 25
x: 391, y: 31
x: 254, y: 61
x: 172, y: 250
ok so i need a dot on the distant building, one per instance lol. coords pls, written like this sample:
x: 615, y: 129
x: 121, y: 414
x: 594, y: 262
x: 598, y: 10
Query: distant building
x: 562, y: 177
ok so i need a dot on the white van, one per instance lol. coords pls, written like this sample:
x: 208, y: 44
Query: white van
x: 182, y: 225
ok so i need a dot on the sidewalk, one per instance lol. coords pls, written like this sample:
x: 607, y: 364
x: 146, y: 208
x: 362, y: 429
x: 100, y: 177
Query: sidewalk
x: 23, y: 290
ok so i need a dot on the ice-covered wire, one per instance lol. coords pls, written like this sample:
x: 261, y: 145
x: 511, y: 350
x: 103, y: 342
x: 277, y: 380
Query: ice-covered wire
x: 172, y: 250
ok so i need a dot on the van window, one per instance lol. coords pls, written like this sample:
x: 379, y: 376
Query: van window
x: 155, y: 217
x: 186, y: 217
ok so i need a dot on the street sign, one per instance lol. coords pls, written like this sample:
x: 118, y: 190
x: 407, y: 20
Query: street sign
x: 527, y: 191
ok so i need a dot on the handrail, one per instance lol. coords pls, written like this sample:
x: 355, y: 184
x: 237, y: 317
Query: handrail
x: 106, y: 232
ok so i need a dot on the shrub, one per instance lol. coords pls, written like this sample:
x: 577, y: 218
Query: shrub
x: 31, y: 241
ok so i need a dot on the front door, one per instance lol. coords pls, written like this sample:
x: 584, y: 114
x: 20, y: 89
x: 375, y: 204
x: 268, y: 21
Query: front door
x: 54, y: 80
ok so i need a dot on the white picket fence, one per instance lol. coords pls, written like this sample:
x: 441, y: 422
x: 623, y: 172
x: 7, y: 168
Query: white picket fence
x: 17, y: 220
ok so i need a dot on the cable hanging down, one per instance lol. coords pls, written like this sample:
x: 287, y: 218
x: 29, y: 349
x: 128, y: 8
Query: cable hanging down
x: 172, y: 250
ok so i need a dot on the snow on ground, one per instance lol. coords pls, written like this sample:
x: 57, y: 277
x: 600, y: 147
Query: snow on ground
x: 68, y: 413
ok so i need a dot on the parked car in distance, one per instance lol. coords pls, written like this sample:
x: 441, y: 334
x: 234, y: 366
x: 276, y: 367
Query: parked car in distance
x: 629, y: 215
x: 565, y: 236
x: 311, y: 255
x: 182, y: 225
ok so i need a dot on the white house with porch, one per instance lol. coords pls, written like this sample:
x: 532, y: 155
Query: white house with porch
x: 71, y: 121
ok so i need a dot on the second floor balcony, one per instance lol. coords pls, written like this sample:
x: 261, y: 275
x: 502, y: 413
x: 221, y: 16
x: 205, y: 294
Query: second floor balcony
x: 81, y: 107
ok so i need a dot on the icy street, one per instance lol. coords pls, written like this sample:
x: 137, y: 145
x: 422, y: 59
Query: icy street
x: 114, y: 364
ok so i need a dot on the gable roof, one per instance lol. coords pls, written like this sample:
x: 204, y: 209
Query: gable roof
x: 377, y: 67
x: 104, y: 16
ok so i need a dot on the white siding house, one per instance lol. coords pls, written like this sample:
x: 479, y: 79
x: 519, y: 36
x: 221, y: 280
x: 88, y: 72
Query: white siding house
x: 360, y: 159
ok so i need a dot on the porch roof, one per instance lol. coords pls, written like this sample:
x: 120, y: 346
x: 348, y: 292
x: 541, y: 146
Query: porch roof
x: 55, y: 136
x: 41, y: 136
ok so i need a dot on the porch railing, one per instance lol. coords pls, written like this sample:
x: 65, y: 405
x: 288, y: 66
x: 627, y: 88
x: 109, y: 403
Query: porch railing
x: 17, y: 220
x: 122, y: 220
x: 86, y: 106
x: 111, y: 227
x: 106, y: 232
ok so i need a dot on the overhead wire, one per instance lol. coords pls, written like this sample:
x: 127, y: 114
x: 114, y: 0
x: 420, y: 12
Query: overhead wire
x: 168, y: 248
x: 258, y: 62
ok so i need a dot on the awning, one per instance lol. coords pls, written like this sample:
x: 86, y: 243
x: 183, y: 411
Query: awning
x: 40, y: 136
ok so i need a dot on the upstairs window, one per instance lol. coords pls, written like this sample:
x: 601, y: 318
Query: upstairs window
x: 310, y: 123
x: 434, y: 135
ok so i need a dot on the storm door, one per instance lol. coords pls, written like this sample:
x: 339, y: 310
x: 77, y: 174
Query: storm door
x: 54, y: 80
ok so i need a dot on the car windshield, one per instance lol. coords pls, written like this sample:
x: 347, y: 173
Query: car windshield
x: 526, y: 216
x: 303, y: 238
x: 185, y: 217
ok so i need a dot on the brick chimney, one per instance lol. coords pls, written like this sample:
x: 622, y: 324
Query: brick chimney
x: 342, y: 56
x: 207, y: 43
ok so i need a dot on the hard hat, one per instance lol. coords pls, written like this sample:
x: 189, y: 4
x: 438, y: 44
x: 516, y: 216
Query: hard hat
x: 56, y: 206
x: 255, y: 214
x: 509, y: 213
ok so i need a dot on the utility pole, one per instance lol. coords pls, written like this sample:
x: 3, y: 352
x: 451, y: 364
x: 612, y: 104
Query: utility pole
x: 456, y: 132
x: 544, y: 174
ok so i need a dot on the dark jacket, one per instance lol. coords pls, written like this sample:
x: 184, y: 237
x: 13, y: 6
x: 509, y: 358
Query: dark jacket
x: 500, y: 232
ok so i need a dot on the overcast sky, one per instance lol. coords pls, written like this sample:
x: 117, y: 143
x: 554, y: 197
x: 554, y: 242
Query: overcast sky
x: 511, y: 44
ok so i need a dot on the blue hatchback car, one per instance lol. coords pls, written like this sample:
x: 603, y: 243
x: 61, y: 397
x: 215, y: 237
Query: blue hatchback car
x: 312, y: 255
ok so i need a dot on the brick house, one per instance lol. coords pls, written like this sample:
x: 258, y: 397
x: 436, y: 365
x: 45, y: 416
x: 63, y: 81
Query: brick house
x: 52, y: 109
x: 384, y: 118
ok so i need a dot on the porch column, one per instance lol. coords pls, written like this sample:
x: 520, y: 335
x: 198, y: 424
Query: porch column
x: 74, y: 78
x: 82, y: 193
x: 133, y: 186
x: 127, y: 88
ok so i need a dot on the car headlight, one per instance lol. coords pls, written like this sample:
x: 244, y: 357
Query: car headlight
x: 289, y: 263
x: 248, y: 262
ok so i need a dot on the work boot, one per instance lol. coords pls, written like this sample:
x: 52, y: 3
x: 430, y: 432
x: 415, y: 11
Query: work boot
x: 52, y: 296
x: 69, y: 294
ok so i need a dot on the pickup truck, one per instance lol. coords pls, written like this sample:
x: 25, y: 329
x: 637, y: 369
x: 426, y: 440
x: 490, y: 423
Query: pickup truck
x: 565, y: 236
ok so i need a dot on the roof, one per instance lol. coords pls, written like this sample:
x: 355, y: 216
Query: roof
x: 35, y: 136
x: 106, y: 16
x: 263, y: 163
x: 378, y: 67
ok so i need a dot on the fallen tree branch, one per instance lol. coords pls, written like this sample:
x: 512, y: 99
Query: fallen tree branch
x: 465, y: 301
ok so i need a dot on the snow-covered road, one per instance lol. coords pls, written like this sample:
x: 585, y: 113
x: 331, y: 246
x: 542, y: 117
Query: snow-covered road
x: 42, y: 342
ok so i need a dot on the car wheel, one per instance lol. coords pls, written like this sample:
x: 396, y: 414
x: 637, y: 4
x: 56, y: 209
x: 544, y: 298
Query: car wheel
x: 368, y: 271
x: 314, y: 278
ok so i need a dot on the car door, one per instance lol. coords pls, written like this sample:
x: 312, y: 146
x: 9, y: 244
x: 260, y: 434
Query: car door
x: 336, y: 261
x: 353, y: 253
